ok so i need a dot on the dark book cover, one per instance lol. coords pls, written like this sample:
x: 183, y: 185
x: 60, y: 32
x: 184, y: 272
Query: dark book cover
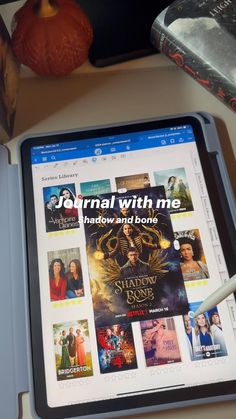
x: 9, y: 82
x: 200, y: 37
x: 133, y: 266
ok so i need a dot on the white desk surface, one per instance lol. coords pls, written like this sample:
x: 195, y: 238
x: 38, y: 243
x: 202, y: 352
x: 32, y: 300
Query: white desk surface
x: 144, y: 88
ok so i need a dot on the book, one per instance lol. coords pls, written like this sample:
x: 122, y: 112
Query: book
x: 9, y: 82
x: 200, y: 37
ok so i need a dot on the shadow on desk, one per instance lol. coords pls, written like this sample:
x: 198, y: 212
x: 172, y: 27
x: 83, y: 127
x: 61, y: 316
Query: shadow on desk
x: 91, y: 99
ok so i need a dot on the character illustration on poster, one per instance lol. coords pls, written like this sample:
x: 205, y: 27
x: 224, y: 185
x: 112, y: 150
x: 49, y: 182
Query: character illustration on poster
x: 128, y: 183
x: 204, y: 334
x: 160, y: 342
x: 57, y: 215
x: 176, y: 187
x: 133, y: 266
x: 65, y: 274
x: 193, y: 262
x: 72, y: 350
x: 95, y: 187
x: 116, y: 350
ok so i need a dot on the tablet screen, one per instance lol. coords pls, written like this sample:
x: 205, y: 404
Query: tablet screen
x: 127, y: 250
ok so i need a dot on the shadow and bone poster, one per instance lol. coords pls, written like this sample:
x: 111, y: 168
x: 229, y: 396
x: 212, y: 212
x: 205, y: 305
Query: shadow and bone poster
x: 133, y: 267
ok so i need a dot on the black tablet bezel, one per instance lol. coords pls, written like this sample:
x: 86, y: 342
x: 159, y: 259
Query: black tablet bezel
x: 226, y: 229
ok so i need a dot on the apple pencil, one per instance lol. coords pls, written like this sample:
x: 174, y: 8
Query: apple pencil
x: 217, y: 296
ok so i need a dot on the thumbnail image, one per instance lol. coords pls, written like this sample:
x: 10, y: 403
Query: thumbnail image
x: 192, y: 259
x: 116, y: 350
x: 139, y: 181
x: 95, y: 187
x: 204, y: 334
x: 133, y: 266
x: 57, y: 216
x: 176, y: 187
x: 65, y: 274
x: 72, y: 350
x: 160, y: 342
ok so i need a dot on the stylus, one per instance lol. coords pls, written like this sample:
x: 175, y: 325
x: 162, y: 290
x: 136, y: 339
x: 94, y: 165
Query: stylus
x: 217, y: 296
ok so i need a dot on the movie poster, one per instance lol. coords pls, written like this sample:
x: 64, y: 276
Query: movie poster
x: 95, y: 187
x: 57, y: 216
x: 116, y: 350
x: 176, y: 187
x: 204, y: 334
x: 72, y: 350
x: 133, y: 266
x: 128, y: 183
x: 65, y: 274
x: 192, y: 258
x: 160, y: 342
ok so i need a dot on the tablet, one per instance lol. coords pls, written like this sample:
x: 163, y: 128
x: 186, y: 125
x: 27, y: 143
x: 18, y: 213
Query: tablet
x: 129, y: 228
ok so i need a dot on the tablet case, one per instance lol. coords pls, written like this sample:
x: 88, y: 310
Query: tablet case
x: 13, y: 347
x: 15, y: 351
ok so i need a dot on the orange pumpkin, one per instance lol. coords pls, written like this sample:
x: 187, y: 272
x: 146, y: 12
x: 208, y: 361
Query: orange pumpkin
x: 52, y: 38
